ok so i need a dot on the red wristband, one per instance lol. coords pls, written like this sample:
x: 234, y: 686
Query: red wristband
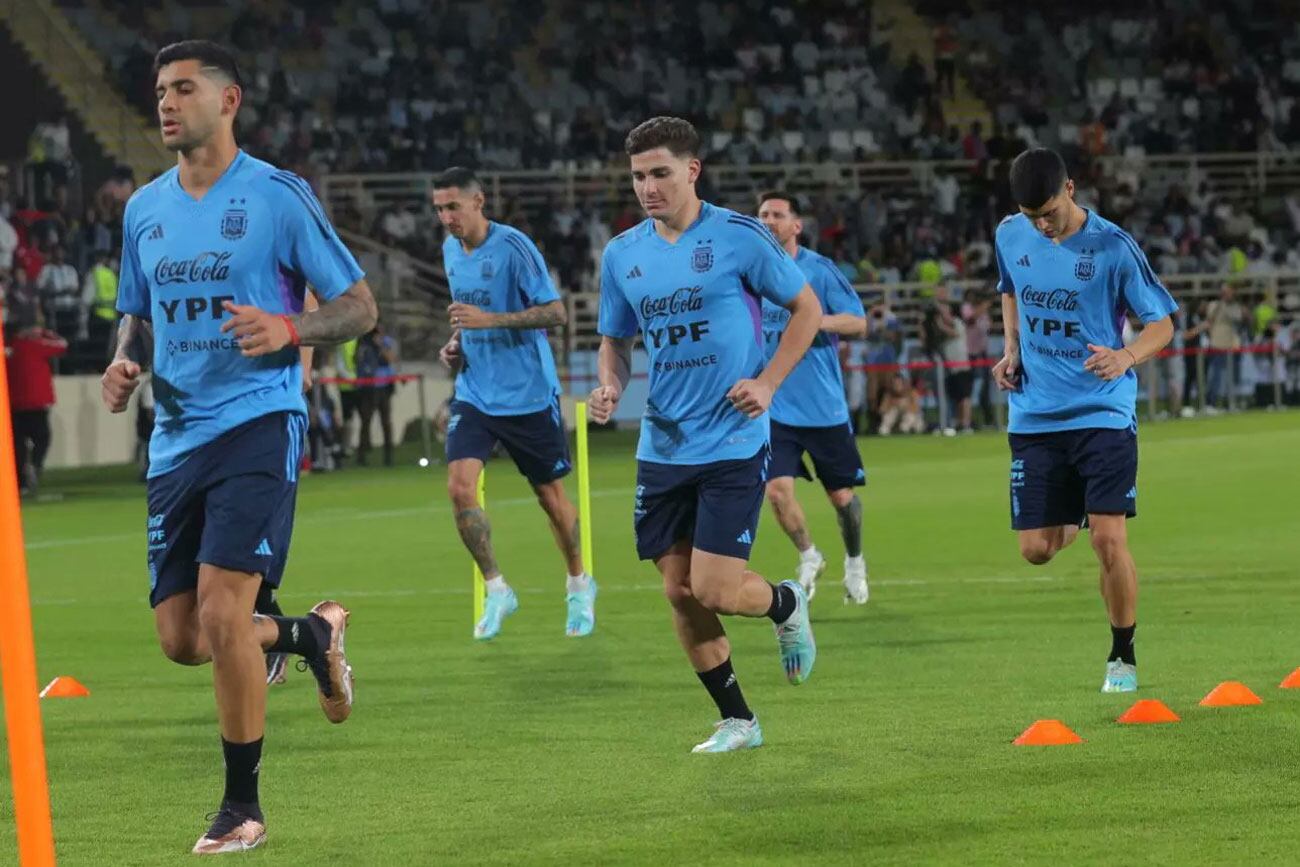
x: 294, y: 339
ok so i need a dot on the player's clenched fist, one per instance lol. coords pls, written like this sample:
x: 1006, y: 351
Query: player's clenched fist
x: 258, y: 332
x: 751, y: 396
x: 602, y: 403
x: 450, y: 355
x: 1006, y: 373
x: 119, y: 381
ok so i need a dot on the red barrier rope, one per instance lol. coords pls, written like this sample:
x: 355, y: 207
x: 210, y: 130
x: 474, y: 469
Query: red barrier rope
x: 366, y: 380
x: 1257, y: 349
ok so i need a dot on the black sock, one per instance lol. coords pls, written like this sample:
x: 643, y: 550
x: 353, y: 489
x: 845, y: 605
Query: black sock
x: 783, y: 603
x: 1121, y: 644
x: 301, y: 635
x: 243, y: 761
x: 266, y: 603
x: 725, y: 691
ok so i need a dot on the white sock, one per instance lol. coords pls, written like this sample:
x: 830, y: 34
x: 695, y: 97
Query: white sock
x: 577, y: 583
x: 812, y: 555
x: 497, y: 584
x: 858, y: 562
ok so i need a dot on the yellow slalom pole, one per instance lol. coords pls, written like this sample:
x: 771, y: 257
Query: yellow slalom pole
x: 584, y: 489
x: 18, y: 665
x: 480, y: 590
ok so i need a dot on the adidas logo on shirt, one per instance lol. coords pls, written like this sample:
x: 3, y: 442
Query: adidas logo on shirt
x: 634, y: 273
x: 1023, y: 261
x: 157, y: 233
x: 264, y: 549
x: 745, y: 538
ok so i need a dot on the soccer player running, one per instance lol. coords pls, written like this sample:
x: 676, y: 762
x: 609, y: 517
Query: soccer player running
x: 216, y: 257
x: 691, y: 279
x: 810, y: 412
x: 506, y: 390
x: 1067, y: 279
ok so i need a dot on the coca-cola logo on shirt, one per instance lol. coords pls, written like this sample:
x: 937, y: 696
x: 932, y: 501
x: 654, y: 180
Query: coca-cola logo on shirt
x: 1050, y: 299
x: 688, y: 299
x: 206, y: 267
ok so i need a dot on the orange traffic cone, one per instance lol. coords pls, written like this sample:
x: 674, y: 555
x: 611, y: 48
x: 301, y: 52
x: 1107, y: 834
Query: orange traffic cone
x: 64, y: 687
x: 1047, y: 733
x: 1148, y: 710
x: 1292, y: 680
x: 1230, y: 693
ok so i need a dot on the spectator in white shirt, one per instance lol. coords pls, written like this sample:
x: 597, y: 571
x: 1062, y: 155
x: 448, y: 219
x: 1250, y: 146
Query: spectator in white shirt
x: 60, y: 292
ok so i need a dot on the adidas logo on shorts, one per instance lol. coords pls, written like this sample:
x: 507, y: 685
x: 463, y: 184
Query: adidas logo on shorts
x: 745, y: 538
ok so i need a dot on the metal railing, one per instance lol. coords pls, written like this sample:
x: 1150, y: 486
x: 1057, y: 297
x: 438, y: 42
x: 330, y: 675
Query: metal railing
x: 412, y: 295
x: 1239, y: 177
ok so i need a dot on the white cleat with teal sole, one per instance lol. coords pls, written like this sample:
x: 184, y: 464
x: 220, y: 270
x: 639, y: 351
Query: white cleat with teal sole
x: 795, y: 639
x: 581, y: 619
x: 496, y: 608
x: 731, y: 735
x: 1120, y: 677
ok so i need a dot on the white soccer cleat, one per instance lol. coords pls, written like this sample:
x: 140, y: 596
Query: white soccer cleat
x: 811, y: 565
x: 855, y: 581
x: 730, y: 735
x: 231, y: 832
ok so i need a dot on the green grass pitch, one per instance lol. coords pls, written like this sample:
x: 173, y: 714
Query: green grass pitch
x: 536, y: 748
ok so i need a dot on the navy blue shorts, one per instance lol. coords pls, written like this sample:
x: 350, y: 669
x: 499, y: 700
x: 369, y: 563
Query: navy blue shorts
x: 714, y: 506
x: 536, y: 441
x: 833, y: 450
x: 1058, y: 478
x: 230, y: 505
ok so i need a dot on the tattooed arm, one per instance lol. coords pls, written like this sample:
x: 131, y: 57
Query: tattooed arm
x: 134, y: 349
x: 467, y: 316
x: 260, y: 333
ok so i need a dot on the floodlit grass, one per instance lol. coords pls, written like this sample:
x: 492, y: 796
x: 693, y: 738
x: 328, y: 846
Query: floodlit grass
x: 537, y: 748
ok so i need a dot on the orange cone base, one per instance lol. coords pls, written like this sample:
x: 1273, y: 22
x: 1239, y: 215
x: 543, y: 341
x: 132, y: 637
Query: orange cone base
x: 64, y: 687
x: 1047, y: 733
x: 1148, y: 710
x: 1292, y: 680
x: 1230, y: 693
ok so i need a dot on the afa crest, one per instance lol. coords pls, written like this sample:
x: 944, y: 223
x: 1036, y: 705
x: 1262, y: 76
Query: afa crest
x: 1085, y: 267
x: 702, y: 258
x: 487, y: 271
x: 234, y: 224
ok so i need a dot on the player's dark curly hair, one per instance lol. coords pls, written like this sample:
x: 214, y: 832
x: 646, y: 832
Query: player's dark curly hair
x: 209, y: 54
x: 674, y: 133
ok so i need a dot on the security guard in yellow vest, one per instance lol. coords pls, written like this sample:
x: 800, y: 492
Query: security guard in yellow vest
x: 346, y: 362
x: 99, y: 304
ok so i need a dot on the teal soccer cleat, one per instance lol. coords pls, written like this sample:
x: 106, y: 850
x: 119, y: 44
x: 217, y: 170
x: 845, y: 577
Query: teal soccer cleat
x: 730, y: 735
x: 1120, y: 677
x: 795, y: 638
x: 496, y: 608
x: 582, y: 611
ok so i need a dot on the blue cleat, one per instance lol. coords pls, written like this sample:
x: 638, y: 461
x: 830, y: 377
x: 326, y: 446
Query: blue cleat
x: 496, y: 608
x: 582, y: 611
x: 795, y: 638
x: 1120, y: 677
x: 730, y: 735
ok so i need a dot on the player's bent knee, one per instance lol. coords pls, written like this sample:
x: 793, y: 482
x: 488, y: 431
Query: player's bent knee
x: 181, y: 649
x: 712, y: 595
x: 779, y: 493
x: 677, y: 594
x: 1037, y: 550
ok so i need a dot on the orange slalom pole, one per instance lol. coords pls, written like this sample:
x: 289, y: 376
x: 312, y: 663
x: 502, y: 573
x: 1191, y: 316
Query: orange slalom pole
x: 18, y: 664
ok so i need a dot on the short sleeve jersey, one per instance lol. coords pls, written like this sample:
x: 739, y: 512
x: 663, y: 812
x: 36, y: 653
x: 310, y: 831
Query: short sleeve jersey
x: 1069, y: 295
x: 506, y: 371
x: 258, y: 237
x: 813, y: 394
x: 698, y: 305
